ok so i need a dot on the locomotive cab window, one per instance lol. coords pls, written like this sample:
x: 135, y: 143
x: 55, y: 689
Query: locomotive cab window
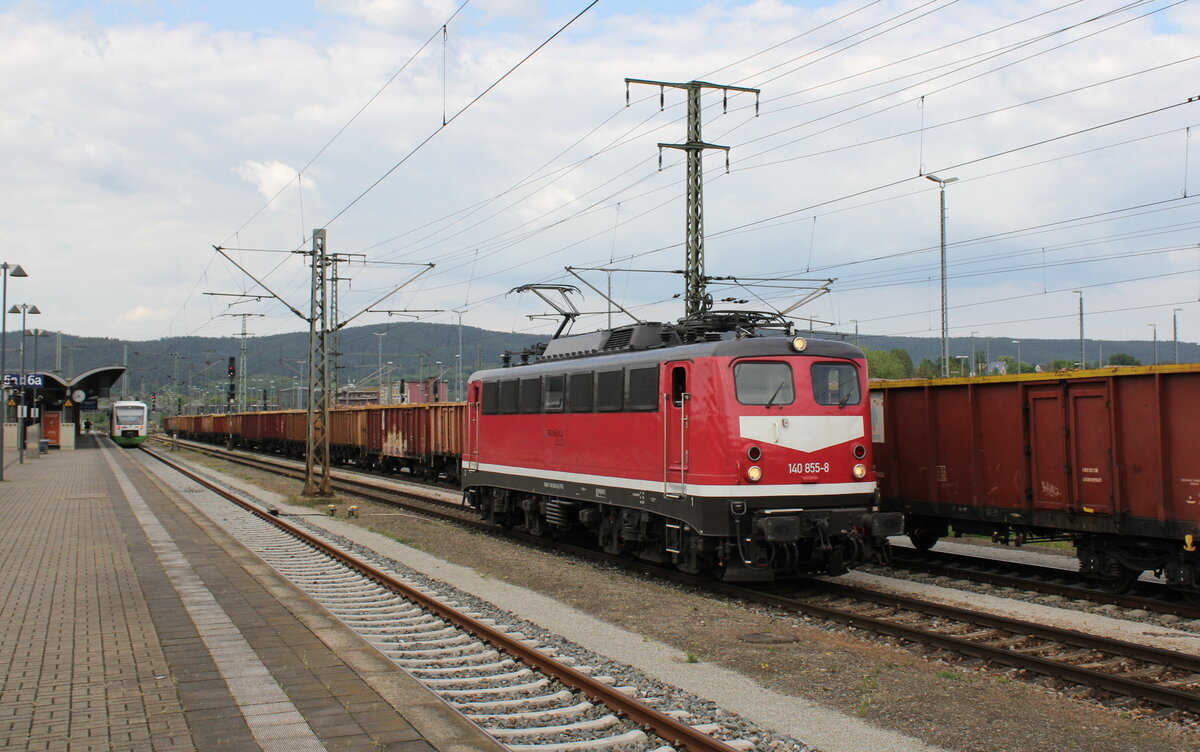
x: 678, y: 385
x: 835, y: 384
x: 552, y: 394
x: 764, y: 383
x: 130, y: 415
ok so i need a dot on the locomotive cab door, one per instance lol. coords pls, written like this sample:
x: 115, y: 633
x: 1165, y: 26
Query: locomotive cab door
x: 676, y: 398
x: 471, y: 450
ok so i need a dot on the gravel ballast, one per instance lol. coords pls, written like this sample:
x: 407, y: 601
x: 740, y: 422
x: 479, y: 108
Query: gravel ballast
x: 825, y: 685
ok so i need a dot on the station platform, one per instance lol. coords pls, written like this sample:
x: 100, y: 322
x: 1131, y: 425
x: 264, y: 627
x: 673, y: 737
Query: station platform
x: 128, y: 621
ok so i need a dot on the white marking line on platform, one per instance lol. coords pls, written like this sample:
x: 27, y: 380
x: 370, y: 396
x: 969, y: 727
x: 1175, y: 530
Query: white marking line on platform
x: 274, y: 721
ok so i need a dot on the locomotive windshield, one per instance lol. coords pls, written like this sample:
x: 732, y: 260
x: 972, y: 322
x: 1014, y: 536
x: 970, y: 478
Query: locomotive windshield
x: 764, y: 383
x: 130, y: 416
x: 835, y: 384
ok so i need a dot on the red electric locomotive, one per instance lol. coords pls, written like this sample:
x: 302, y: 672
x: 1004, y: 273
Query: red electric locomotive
x: 747, y: 457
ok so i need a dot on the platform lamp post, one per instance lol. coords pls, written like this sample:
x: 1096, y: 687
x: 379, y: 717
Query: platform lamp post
x: 1082, y: 360
x: 6, y: 270
x: 1017, y: 342
x: 945, y: 319
x: 36, y: 334
x: 23, y: 309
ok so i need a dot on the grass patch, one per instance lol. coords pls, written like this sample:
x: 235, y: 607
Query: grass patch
x: 692, y: 656
x: 864, y: 708
x: 948, y: 674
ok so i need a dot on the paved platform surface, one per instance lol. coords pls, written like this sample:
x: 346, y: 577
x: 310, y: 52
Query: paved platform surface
x: 128, y: 621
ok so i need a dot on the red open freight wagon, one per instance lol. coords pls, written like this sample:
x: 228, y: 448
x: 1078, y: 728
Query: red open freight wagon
x: 1108, y: 458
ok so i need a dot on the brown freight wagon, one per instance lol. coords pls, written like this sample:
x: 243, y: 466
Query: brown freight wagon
x: 348, y: 435
x: 1107, y: 458
x: 447, y: 437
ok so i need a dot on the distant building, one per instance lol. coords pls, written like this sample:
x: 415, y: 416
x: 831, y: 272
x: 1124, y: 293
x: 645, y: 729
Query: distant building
x: 293, y: 398
x: 429, y: 390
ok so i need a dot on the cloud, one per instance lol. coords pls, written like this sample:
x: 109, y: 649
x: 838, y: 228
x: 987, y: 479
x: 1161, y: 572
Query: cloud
x: 270, y: 178
x: 130, y: 148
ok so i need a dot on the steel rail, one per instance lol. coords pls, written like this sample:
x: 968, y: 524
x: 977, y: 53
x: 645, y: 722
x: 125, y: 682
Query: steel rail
x: 1168, y: 696
x: 670, y: 729
x: 358, y: 485
x: 963, y: 566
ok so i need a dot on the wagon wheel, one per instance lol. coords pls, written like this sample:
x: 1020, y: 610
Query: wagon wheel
x: 1118, y: 578
x: 923, y: 539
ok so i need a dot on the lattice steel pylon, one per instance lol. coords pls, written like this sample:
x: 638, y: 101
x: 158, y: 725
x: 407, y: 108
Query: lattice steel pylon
x: 316, y: 455
x: 696, y: 298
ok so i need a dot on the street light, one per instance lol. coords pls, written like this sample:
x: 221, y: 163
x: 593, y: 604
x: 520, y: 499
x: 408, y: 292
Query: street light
x: 379, y: 366
x: 1175, y: 331
x: 945, y: 320
x: 1155, y: 328
x: 23, y: 309
x: 1017, y: 342
x: 974, y: 355
x: 1082, y: 360
x: 17, y: 271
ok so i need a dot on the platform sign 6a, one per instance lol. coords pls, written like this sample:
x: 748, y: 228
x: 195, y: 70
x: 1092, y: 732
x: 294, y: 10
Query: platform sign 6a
x: 15, y: 380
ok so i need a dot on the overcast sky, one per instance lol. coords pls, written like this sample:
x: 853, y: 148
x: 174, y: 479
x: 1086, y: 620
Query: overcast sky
x: 138, y: 134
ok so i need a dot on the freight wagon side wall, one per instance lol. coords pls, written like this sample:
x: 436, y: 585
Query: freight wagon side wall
x: 1098, y: 451
x: 448, y: 426
x: 958, y: 446
x: 1158, y: 449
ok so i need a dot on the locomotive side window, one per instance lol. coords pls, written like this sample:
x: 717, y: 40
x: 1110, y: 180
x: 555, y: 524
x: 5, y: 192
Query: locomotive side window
x: 835, y: 384
x: 508, y: 397
x: 552, y: 394
x: 610, y: 391
x: 491, y: 398
x: 764, y: 383
x: 643, y: 388
x: 531, y: 395
x: 579, y: 393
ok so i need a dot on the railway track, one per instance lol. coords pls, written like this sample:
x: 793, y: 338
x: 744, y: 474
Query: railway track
x: 1147, y: 596
x: 1166, y: 678
x: 507, y: 683
x: 1150, y: 597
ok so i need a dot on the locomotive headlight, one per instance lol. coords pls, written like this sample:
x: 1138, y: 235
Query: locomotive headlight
x: 754, y: 473
x: 799, y: 343
x: 860, y: 471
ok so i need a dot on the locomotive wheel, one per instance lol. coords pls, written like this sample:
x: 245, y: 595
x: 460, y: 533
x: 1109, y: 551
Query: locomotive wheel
x: 690, y: 559
x: 1118, y: 579
x: 609, y: 535
x: 535, y: 524
x: 923, y: 539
